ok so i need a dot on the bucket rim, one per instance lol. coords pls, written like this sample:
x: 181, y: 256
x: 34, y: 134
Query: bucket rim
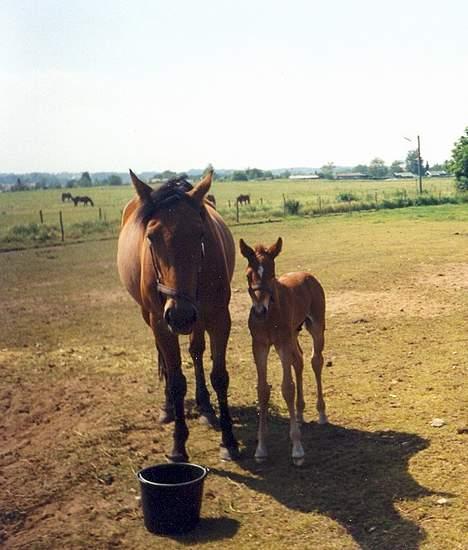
x: 205, y: 472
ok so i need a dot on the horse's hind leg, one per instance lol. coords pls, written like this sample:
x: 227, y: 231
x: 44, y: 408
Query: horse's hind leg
x: 202, y: 397
x: 298, y: 364
x: 317, y: 331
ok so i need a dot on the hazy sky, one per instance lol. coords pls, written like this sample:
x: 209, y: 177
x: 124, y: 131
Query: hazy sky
x: 109, y: 84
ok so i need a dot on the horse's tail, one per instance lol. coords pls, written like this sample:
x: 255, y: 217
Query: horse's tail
x: 92, y: 203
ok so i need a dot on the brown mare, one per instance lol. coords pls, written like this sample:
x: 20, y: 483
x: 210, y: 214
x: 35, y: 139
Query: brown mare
x: 176, y: 259
x: 84, y: 199
x: 243, y: 199
x: 280, y: 306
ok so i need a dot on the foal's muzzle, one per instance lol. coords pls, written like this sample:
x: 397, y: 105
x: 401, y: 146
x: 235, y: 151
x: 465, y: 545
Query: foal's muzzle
x: 259, y: 311
x: 180, y: 316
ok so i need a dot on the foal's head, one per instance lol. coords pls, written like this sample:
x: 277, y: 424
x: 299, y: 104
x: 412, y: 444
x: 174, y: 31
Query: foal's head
x: 173, y: 220
x: 260, y: 274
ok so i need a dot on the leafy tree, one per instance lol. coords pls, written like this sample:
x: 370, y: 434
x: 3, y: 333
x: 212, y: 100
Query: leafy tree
x: 254, y: 173
x: 361, y: 169
x: 412, y: 162
x: 285, y: 174
x: 377, y: 168
x: 396, y: 167
x: 327, y: 171
x: 239, y: 175
x: 459, y: 162
x: 85, y: 180
x: 19, y: 186
x: 114, y: 179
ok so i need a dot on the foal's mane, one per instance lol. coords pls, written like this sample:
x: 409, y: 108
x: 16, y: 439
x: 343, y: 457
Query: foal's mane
x: 167, y: 194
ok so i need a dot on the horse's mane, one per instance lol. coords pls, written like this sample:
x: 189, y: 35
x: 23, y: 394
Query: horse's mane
x: 165, y: 195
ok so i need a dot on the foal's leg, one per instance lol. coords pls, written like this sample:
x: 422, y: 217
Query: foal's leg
x: 260, y: 353
x: 202, y: 397
x: 298, y: 364
x: 218, y: 330
x: 317, y: 332
x: 288, y: 389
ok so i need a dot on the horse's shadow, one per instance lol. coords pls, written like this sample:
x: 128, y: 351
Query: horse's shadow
x: 352, y: 476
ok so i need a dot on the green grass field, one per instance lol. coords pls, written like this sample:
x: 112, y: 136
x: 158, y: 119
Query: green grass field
x: 19, y: 210
x: 79, y: 394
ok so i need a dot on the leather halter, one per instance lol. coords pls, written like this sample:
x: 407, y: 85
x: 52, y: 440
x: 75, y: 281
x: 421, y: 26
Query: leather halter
x: 169, y: 292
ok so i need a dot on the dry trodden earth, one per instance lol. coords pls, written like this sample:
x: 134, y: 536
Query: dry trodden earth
x: 79, y: 398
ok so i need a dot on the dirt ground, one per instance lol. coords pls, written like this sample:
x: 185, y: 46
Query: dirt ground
x: 79, y: 400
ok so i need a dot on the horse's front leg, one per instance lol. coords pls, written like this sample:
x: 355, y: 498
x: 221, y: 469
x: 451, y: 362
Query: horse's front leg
x: 202, y: 397
x: 260, y: 353
x: 219, y: 329
x: 166, y: 413
x: 168, y: 345
x: 288, y: 390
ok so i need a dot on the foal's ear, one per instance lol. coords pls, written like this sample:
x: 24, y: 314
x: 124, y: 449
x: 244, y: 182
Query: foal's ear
x: 246, y: 251
x: 143, y: 190
x: 275, y: 249
x: 203, y: 186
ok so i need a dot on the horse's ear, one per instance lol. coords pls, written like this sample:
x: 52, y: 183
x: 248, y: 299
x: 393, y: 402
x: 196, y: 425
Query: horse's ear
x: 246, y: 250
x: 203, y: 186
x: 275, y: 249
x: 143, y: 190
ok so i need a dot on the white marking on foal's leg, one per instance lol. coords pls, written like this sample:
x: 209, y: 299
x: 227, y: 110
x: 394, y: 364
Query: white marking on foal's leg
x: 261, y: 453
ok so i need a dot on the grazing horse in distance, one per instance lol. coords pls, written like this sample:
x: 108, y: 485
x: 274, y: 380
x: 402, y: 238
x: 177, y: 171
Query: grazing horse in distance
x: 176, y: 259
x: 243, y: 199
x: 67, y: 197
x: 84, y: 199
x: 280, y: 306
x: 212, y: 199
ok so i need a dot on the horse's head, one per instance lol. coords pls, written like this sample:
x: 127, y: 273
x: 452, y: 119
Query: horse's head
x: 173, y: 217
x: 260, y: 274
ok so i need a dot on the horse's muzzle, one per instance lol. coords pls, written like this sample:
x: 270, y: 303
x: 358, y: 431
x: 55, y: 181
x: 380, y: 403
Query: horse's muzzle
x: 259, y: 311
x: 180, y: 317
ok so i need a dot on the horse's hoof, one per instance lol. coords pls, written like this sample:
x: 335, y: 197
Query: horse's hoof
x: 229, y: 453
x: 322, y: 419
x: 173, y: 459
x: 208, y: 419
x: 299, y: 461
x: 165, y: 417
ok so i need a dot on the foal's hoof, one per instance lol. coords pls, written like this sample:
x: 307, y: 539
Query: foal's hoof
x: 208, y: 419
x: 299, y: 461
x: 229, y: 453
x: 165, y: 417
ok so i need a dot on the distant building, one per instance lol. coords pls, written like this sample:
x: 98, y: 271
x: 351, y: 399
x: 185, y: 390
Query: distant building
x: 304, y: 177
x: 436, y: 173
x: 404, y: 175
x: 351, y: 176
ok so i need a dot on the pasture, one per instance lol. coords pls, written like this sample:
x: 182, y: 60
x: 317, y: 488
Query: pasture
x: 80, y: 397
x: 19, y: 210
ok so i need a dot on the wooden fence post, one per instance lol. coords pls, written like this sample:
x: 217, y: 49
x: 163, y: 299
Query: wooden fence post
x: 61, y: 226
x: 284, y: 205
x: 41, y: 216
x: 237, y: 211
x: 100, y: 213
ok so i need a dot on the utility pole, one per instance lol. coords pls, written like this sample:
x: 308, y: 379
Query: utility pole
x: 419, y: 166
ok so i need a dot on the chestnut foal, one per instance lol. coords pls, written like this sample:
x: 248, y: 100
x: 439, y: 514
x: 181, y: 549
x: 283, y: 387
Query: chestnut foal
x: 279, y: 309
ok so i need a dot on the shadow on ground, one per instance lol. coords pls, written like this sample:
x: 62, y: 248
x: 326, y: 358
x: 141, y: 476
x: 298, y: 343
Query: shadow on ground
x: 354, y: 477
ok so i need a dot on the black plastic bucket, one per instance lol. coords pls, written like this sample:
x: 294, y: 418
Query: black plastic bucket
x: 171, y: 496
